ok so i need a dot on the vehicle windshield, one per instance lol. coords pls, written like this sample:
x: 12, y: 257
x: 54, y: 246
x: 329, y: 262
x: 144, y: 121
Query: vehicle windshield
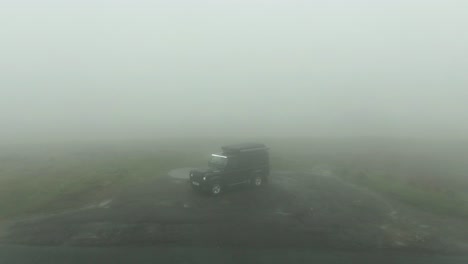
x: 218, y: 162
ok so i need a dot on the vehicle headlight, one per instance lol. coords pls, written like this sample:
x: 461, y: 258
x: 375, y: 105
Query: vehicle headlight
x: 204, y: 178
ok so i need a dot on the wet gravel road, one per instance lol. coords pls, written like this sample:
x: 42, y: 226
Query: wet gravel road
x: 295, y: 210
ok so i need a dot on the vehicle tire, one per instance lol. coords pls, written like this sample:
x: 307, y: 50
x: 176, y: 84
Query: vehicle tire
x: 257, y: 180
x: 216, y: 189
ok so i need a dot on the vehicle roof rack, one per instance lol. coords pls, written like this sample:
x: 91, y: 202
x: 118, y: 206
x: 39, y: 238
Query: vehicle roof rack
x: 243, y: 147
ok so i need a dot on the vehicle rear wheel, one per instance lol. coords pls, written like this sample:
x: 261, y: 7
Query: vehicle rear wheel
x: 216, y: 189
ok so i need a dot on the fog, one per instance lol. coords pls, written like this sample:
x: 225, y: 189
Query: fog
x: 74, y: 70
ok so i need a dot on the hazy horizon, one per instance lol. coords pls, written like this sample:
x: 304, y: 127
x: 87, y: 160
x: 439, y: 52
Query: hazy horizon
x: 139, y: 69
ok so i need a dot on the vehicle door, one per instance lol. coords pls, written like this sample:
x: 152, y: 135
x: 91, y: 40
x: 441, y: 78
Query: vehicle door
x: 233, y: 170
x: 246, y: 162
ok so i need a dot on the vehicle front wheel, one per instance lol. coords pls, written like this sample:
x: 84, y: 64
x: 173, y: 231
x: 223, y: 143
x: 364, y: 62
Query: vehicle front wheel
x: 216, y: 189
x: 257, y: 181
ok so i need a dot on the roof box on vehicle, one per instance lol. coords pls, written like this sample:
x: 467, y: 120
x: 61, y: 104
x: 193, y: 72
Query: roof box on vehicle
x: 243, y: 147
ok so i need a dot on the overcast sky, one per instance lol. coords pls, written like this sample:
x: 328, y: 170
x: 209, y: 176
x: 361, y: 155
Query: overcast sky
x: 127, y: 69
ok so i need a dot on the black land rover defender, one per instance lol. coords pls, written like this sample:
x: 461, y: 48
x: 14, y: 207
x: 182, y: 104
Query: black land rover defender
x: 246, y: 163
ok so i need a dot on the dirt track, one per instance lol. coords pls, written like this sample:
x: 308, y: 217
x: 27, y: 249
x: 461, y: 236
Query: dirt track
x: 295, y: 209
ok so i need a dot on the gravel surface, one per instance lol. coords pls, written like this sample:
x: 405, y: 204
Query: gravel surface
x: 293, y: 210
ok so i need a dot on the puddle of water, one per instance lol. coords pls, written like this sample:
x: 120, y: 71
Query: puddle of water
x: 180, y: 173
x: 282, y: 172
x: 281, y: 212
x: 105, y: 203
x: 177, y: 181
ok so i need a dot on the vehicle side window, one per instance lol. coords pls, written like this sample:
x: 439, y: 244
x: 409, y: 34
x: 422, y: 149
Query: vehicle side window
x: 243, y: 161
x: 233, y: 163
x: 252, y: 159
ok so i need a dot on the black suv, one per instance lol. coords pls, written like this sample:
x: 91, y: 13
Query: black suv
x: 246, y: 163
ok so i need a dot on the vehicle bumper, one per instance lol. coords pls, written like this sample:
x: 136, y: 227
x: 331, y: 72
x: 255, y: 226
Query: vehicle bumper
x: 197, y: 185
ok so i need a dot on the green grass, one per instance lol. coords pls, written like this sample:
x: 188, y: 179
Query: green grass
x: 430, y: 176
x: 60, y: 180
x: 447, y: 202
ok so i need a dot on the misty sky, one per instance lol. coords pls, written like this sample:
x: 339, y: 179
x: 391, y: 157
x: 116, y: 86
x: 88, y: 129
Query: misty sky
x: 128, y: 69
